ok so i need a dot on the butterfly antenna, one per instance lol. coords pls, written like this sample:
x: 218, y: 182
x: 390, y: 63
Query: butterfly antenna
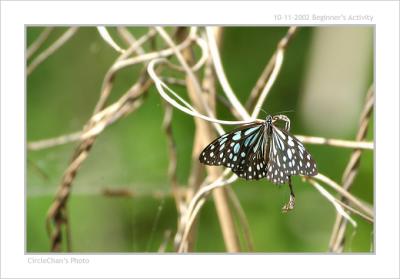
x: 266, y: 113
x: 285, y: 111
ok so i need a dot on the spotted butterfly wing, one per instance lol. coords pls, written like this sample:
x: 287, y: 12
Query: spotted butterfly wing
x: 287, y: 157
x: 241, y: 150
x: 258, y: 150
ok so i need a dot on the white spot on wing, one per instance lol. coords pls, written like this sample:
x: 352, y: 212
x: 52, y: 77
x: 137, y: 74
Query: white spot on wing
x: 282, y: 135
x: 289, y: 153
x: 248, y: 131
x: 290, y: 141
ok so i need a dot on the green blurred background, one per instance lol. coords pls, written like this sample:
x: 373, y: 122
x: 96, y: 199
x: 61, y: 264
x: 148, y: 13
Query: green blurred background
x: 132, y: 154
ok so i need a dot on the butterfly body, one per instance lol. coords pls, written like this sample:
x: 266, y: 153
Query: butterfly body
x: 261, y: 149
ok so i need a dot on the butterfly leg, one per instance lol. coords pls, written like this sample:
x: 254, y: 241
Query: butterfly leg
x: 290, y: 204
x: 283, y: 118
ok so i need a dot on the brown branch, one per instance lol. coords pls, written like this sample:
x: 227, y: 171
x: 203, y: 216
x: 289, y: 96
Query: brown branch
x: 220, y: 195
x: 366, y: 208
x: 38, y: 42
x: 100, y: 119
x: 68, y: 138
x: 197, y: 169
x: 242, y: 218
x: 196, y: 204
x: 120, y: 193
x: 265, y: 75
x: 51, y: 49
x: 195, y: 94
x: 110, y: 75
x: 337, y: 240
x: 175, y: 81
x: 60, y: 140
x: 172, y: 154
x: 67, y: 229
x: 358, y: 206
x: 359, y: 144
x: 357, y: 212
x: 127, y: 36
x: 130, y: 193
x: 56, y: 213
x: 209, y: 82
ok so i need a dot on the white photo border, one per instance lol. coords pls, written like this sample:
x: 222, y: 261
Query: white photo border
x: 16, y: 15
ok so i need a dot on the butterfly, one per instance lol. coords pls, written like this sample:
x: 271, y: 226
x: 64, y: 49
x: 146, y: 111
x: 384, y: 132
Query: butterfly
x: 262, y: 149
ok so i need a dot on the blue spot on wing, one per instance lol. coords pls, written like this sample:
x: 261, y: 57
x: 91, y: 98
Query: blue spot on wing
x: 249, y: 131
x: 237, y: 135
x: 247, y: 141
x: 236, y: 148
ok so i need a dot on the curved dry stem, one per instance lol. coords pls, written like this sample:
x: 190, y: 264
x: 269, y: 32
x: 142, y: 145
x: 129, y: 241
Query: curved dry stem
x: 355, y: 211
x: 277, y: 67
x: 334, y: 202
x: 127, y: 103
x: 108, y: 39
x: 160, y: 85
x: 336, y: 142
x: 112, y: 71
x: 172, y: 154
x: 163, y: 53
x: 128, y: 38
x: 197, y: 202
x: 38, y: 42
x: 336, y: 242
x: 51, y: 49
x: 200, y: 101
x: 268, y: 77
x: 219, y: 70
x: 72, y: 137
x: 51, y: 142
x: 194, y: 81
x: 242, y: 219
x: 366, y: 209
x: 265, y: 75
x: 198, y: 65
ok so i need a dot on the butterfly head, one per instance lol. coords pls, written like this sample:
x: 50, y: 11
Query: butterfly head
x: 268, y: 120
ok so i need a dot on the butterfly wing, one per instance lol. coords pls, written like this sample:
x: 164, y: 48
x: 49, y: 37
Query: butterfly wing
x: 241, y: 150
x: 288, y: 156
x: 255, y: 168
